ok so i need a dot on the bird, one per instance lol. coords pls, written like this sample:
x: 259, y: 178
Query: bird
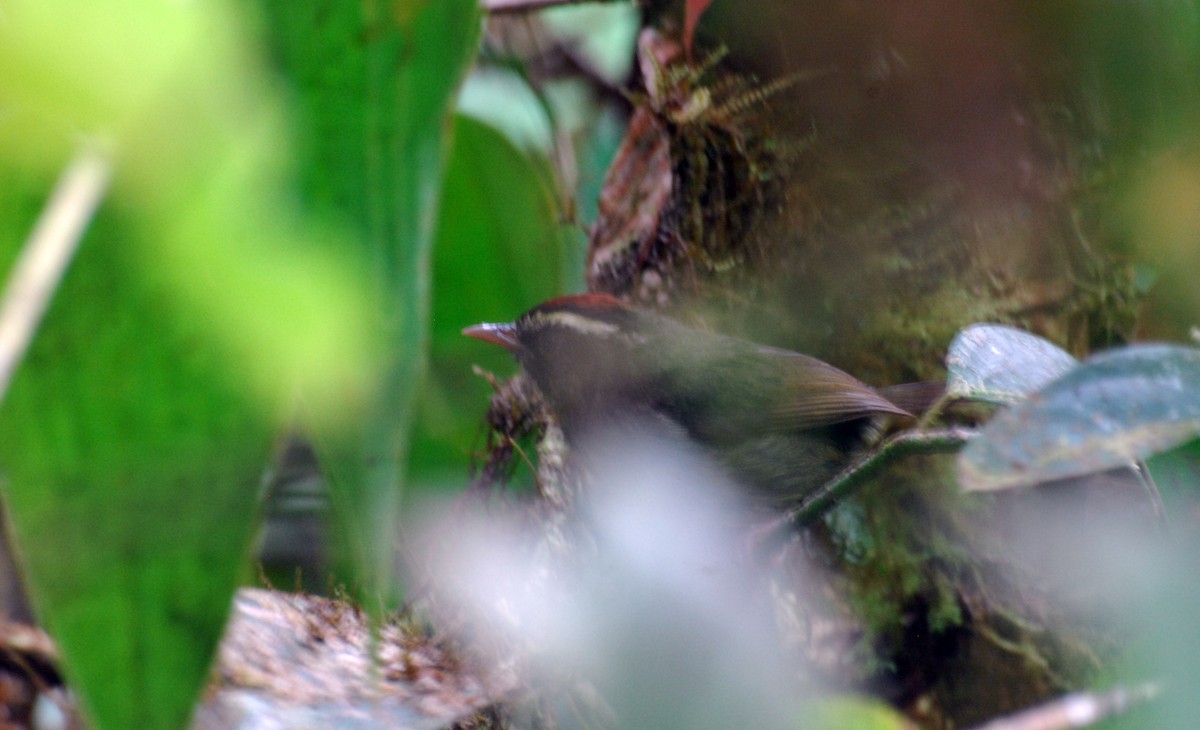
x: 780, y: 422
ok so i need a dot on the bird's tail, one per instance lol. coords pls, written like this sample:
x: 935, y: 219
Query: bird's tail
x: 916, y: 398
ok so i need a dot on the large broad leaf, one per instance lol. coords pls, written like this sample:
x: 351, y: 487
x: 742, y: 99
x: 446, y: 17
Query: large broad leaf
x: 133, y: 437
x: 1114, y: 409
x: 132, y: 460
x: 499, y: 251
x: 1002, y: 364
x: 373, y: 88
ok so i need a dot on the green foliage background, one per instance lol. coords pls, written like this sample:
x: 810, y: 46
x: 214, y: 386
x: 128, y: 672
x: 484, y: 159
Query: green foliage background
x: 264, y: 257
x: 298, y: 228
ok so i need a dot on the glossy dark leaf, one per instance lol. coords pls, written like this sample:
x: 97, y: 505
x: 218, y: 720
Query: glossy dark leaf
x: 1114, y: 409
x: 1002, y: 364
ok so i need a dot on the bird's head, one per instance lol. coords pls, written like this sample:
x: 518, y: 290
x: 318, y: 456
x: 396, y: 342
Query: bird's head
x: 582, y: 351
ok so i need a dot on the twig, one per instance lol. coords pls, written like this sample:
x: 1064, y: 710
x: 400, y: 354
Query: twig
x: 46, y: 254
x: 1076, y: 710
x: 939, y: 441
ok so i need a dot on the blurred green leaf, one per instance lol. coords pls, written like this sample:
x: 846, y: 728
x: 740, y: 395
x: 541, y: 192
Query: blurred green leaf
x: 132, y: 458
x: 1002, y: 364
x: 1114, y: 409
x: 153, y: 80
x: 1144, y: 57
x: 499, y: 251
x: 372, y: 89
x: 499, y: 221
x: 852, y: 713
x: 135, y: 433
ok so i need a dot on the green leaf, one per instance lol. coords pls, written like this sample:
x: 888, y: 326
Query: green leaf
x: 1114, y: 409
x: 132, y: 461
x: 499, y: 219
x: 1001, y: 364
x: 373, y: 89
x: 499, y: 251
x: 134, y: 435
x: 852, y: 713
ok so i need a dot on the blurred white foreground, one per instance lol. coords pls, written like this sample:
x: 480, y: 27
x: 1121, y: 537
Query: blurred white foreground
x: 654, y: 610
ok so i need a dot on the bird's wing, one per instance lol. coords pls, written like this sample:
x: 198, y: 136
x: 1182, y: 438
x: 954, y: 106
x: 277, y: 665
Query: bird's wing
x: 817, y: 394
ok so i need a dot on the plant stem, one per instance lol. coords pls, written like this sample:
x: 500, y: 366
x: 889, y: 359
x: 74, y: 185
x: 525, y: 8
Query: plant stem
x: 938, y: 441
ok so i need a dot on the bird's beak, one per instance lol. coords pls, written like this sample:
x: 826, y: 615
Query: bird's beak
x: 504, y: 335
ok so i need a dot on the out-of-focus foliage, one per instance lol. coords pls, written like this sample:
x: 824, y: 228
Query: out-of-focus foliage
x: 252, y: 250
x: 499, y: 249
x: 188, y: 148
x: 371, y: 91
x: 521, y: 184
x: 1138, y: 64
x: 841, y: 713
x: 201, y: 304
